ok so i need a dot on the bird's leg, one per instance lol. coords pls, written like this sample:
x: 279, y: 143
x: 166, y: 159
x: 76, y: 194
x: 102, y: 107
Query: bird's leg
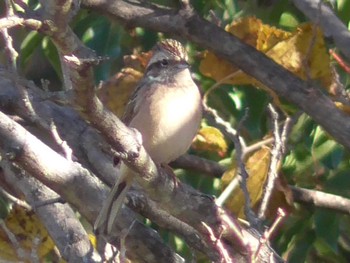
x: 170, y: 171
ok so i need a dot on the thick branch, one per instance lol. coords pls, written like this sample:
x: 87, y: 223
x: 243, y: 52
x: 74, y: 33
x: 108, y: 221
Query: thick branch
x: 194, y: 207
x: 85, y: 142
x: 75, y: 184
x: 59, y: 219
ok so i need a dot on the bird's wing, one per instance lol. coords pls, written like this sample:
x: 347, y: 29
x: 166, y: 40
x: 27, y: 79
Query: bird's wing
x: 132, y: 108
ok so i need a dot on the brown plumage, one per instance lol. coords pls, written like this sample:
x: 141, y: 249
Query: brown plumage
x: 166, y: 109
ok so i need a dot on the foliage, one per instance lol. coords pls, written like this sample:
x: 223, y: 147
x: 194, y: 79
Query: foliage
x: 32, y: 236
x: 313, y: 160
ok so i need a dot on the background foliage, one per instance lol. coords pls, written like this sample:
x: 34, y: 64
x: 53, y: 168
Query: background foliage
x: 313, y: 160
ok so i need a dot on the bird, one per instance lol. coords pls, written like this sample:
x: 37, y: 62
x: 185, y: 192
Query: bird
x: 166, y: 108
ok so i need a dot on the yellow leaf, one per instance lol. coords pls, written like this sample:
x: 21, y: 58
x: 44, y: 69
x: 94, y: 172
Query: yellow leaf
x: 26, y: 227
x: 257, y: 167
x: 253, y: 32
x: 303, y: 52
x: 343, y: 107
x: 93, y: 240
x: 115, y: 92
x: 210, y: 139
x: 137, y: 61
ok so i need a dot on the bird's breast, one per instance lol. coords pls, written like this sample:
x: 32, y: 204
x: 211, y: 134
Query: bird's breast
x: 168, y: 121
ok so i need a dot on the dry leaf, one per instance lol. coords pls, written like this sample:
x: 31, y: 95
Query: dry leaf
x: 210, y: 139
x: 294, y: 54
x: 137, y: 61
x: 257, y: 167
x: 115, y: 92
x: 26, y: 227
x: 282, y: 197
x: 291, y: 50
x: 343, y: 107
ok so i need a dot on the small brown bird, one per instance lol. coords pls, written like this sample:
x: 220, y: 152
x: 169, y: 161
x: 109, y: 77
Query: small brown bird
x: 166, y: 109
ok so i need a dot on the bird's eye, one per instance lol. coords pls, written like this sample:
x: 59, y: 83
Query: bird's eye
x: 164, y: 62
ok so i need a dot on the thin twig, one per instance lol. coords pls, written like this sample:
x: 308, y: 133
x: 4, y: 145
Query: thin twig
x: 34, y: 253
x: 243, y: 176
x: 68, y: 152
x: 234, y: 182
x: 14, y: 199
x: 227, y: 192
x: 288, y: 124
x: 239, y: 146
x: 9, y: 8
x: 340, y: 61
x: 276, y: 155
x: 219, y: 244
x: 256, y: 146
x: 67, y: 83
x: 224, y: 126
x: 218, y: 84
x: 12, y: 21
x: 50, y: 201
x: 267, y: 234
x: 9, y: 49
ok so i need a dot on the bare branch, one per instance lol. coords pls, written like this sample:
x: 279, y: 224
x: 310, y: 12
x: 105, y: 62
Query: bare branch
x: 276, y: 155
x: 65, y: 147
x: 242, y: 173
x: 268, y: 233
x: 225, y: 256
x: 9, y: 49
x: 193, y: 238
x: 56, y: 172
x: 59, y: 219
x: 234, y: 184
x: 321, y: 199
x: 14, y: 199
x: 193, y: 162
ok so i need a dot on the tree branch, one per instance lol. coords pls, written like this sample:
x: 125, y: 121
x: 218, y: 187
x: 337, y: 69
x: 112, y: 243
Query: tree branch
x: 59, y: 219
x: 75, y: 184
x: 321, y: 199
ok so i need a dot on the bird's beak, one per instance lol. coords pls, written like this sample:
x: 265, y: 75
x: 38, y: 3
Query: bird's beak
x: 182, y: 65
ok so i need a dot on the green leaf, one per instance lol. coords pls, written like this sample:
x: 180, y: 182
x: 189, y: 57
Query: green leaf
x: 301, y: 247
x: 288, y: 20
x: 327, y: 228
x: 30, y: 43
x: 4, y: 208
x: 343, y: 10
x: 51, y: 54
x: 325, y: 253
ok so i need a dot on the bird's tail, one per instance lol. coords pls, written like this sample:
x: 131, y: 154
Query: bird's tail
x: 114, y: 201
